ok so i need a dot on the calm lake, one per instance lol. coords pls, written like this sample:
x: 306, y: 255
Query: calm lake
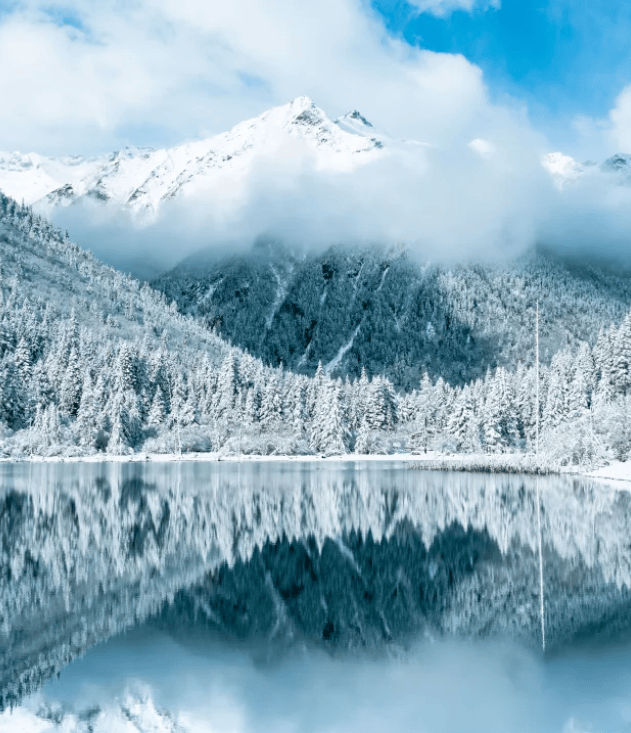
x: 297, y: 596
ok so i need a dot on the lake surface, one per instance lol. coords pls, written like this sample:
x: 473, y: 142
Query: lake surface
x: 311, y: 596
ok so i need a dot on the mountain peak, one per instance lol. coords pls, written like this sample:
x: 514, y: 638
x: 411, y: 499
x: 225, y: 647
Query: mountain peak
x: 303, y: 111
x: 356, y: 116
x: 563, y: 168
x: 617, y: 162
x: 300, y: 104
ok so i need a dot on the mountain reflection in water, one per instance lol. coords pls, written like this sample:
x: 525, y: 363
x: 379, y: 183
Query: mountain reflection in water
x: 349, y: 560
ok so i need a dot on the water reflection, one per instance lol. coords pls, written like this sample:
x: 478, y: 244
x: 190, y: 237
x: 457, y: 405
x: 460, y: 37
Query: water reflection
x: 346, y: 557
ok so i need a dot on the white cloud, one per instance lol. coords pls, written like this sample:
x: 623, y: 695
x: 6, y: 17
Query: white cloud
x: 620, y: 119
x: 161, y: 71
x: 597, y: 138
x: 444, y: 8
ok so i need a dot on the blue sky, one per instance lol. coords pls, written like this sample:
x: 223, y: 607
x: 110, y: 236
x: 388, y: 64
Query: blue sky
x: 562, y: 57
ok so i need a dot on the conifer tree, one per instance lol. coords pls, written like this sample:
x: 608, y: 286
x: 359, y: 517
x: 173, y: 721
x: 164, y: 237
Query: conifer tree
x: 362, y: 442
x: 87, y: 422
x: 327, y: 432
x: 23, y: 361
x: 227, y: 385
x: 157, y: 411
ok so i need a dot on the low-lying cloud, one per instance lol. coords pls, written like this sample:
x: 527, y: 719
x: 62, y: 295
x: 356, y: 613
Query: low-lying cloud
x: 489, y: 200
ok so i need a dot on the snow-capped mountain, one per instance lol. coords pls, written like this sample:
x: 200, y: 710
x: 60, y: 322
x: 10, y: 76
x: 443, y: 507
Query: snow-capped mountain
x: 135, y: 712
x: 564, y: 169
x: 140, y: 178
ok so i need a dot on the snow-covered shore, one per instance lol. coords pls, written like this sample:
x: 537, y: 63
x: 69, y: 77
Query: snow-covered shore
x: 618, y: 471
x: 141, y: 457
x: 615, y: 471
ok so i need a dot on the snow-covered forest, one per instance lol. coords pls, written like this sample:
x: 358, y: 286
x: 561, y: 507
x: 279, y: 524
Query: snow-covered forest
x: 93, y: 361
x: 387, y: 311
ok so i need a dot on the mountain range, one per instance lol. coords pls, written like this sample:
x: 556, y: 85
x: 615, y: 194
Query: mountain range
x: 142, y: 179
x: 380, y: 309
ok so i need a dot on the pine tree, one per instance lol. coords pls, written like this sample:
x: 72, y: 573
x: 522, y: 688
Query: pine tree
x: 23, y: 361
x: 251, y: 407
x: 12, y: 396
x: 327, y: 433
x: 227, y: 385
x: 314, y: 390
x: 52, y: 424
x: 621, y: 357
x: 492, y: 416
x: 86, y: 425
x: 70, y: 390
x: 362, y: 442
x: 271, y: 401
x: 117, y: 444
x: 157, y: 411
x: 555, y: 406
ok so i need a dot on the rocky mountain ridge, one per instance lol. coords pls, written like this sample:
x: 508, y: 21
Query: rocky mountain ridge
x: 383, y: 310
x: 139, y: 179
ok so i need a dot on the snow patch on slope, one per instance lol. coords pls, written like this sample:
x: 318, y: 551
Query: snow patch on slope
x: 337, y: 359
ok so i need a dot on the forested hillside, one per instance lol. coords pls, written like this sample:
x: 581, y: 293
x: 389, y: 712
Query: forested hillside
x: 94, y: 362
x: 384, y: 312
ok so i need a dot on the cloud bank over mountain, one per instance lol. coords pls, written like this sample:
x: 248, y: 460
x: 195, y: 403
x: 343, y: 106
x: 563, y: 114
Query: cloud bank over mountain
x: 296, y: 176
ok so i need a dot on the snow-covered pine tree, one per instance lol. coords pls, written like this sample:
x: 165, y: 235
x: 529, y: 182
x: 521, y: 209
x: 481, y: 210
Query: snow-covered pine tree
x: 555, y: 408
x: 23, y: 361
x: 271, y: 401
x: 70, y: 389
x: 316, y: 386
x: 492, y: 415
x: 157, y: 411
x: 87, y: 423
x: 227, y: 385
x: 621, y: 357
x: 12, y: 395
x: 327, y: 431
x: 362, y: 442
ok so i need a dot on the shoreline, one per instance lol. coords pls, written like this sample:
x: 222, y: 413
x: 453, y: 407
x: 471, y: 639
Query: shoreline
x: 218, y: 458
x: 617, y: 471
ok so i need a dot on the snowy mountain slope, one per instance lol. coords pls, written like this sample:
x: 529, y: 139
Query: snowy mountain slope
x: 94, y: 362
x: 39, y: 264
x: 564, y: 169
x: 140, y: 179
x: 136, y: 712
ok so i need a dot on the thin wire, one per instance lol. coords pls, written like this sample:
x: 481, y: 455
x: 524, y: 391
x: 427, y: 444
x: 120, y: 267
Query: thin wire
x: 537, y: 382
